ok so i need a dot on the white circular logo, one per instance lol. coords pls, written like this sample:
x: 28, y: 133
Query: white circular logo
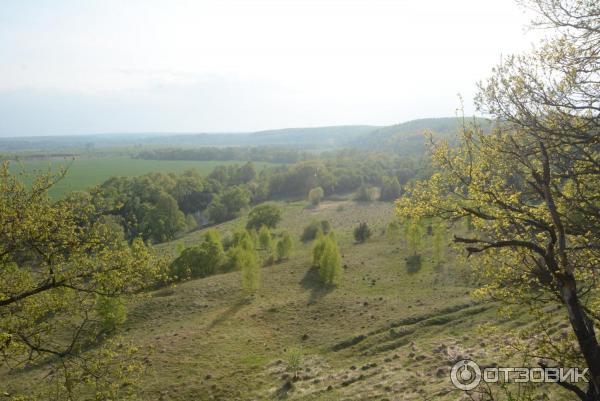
x: 465, y: 375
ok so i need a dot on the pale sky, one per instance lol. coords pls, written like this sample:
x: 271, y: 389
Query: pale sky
x: 83, y: 66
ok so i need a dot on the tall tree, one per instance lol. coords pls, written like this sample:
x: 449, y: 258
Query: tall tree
x: 532, y: 187
x: 57, y: 261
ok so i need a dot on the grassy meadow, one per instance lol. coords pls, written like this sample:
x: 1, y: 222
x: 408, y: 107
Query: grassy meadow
x: 381, y: 334
x: 87, y: 172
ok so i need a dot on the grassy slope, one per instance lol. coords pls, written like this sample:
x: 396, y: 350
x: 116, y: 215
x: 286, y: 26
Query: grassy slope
x: 382, y: 334
x: 87, y: 172
x: 206, y: 328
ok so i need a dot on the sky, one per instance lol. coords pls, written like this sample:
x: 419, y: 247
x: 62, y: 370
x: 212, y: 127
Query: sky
x: 100, y: 66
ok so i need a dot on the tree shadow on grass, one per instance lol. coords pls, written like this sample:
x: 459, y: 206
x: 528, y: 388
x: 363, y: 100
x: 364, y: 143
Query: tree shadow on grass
x: 229, y: 312
x: 312, y: 282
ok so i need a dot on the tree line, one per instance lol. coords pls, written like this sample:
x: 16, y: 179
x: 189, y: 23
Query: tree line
x: 157, y: 207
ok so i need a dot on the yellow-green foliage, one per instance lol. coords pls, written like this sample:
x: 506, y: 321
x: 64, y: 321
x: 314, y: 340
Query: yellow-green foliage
x: 200, y: 261
x: 55, y: 258
x: 284, y: 246
x: 251, y: 270
x: 326, y: 256
x: 414, y: 234
x: 264, y: 238
x: 111, y: 311
x: 512, y: 223
x: 315, y: 195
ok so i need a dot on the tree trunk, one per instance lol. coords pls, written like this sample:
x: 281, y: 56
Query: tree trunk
x: 585, y: 333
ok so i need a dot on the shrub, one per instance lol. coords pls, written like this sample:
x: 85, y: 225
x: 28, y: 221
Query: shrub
x: 315, y: 227
x: 111, y: 311
x: 190, y: 222
x: 315, y: 195
x: 264, y: 238
x: 393, y: 232
x: 267, y: 214
x: 365, y: 194
x: 200, y: 261
x: 284, y: 247
x: 414, y: 263
x: 241, y: 238
x: 317, y: 251
x: 248, y: 262
x: 414, y: 234
x: 294, y: 361
x: 391, y: 189
x: 330, y: 263
x: 362, y: 232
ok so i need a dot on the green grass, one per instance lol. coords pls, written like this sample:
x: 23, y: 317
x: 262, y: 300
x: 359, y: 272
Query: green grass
x: 87, y: 172
x: 381, y: 334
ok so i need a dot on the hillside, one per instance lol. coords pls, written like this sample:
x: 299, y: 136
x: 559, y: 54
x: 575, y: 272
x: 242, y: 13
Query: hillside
x: 404, y: 138
x: 381, y: 334
x: 408, y: 138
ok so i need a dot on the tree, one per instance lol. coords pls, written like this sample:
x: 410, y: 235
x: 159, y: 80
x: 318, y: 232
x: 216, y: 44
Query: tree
x: 317, y: 251
x: 235, y: 199
x: 330, y: 262
x: 164, y: 219
x: 264, y: 238
x: 314, y: 229
x: 284, y: 247
x: 247, y: 261
x: 217, y: 211
x: 550, y: 98
x: 266, y: 214
x: 364, y: 194
x: 111, y: 311
x: 535, y: 229
x: 315, y: 195
x: 200, y: 261
x: 362, y: 232
x: 391, y: 189
x: 414, y: 234
x: 56, y: 258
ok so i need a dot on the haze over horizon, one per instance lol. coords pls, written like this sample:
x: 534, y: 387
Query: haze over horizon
x: 108, y: 66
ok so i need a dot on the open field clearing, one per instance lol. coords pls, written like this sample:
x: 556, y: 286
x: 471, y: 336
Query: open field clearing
x: 85, y: 173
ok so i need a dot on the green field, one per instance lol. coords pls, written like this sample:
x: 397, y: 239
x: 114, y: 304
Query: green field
x: 85, y: 173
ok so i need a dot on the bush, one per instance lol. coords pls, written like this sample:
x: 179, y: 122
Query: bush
x: 199, y: 261
x: 330, y: 262
x: 315, y: 227
x: 247, y: 261
x: 111, y: 311
x: 362, y: 232
x: 315, y: 195
x: 414, y: 263
x: 391, y: 189
x: 317, y: 251
x: 393, y: 232
x: 191, y: 222
x: 365, y: 194
x: 264, y: 238
x: 241, y: 238
x: 268, y: 215
x: 294, y: 361
x: 284, y: 247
